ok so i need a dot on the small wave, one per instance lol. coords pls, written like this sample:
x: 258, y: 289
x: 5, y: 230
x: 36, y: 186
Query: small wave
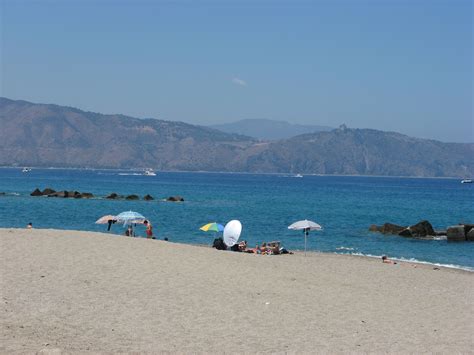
x: 415, y: 261
x: 130, y: 174
x: 9, y: 194
x: 344, y: 248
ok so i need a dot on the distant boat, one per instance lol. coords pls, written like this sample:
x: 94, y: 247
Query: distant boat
x: 298, y: 176
x: 26, y: 170
x: 149, y: 172
x: 466, y: 181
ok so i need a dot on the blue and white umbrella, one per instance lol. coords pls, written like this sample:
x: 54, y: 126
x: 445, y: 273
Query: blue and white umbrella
x: 130, y: 217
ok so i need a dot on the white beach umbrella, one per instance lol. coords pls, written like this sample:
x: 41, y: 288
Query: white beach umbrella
x: 130, y: 217
x: 305, y: 226
x: 232, y: 231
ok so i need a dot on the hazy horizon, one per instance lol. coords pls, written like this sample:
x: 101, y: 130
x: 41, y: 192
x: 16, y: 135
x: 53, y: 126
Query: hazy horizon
x: 392, y: 65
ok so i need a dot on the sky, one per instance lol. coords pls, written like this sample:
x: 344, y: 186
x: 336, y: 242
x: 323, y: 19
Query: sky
x: 395, y: 65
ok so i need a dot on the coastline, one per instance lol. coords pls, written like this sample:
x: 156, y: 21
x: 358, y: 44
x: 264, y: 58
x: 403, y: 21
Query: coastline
x: 86, y: 291
x: 235, y: 172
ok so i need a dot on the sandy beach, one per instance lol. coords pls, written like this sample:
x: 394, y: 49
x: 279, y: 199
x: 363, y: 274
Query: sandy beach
x: 80, y: 291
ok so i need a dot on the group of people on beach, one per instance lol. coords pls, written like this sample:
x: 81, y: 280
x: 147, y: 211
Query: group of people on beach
x: 129, y: 232
x: 270, y: 248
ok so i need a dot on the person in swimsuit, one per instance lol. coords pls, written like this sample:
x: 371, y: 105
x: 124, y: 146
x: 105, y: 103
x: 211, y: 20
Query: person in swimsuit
x: 149, y: 229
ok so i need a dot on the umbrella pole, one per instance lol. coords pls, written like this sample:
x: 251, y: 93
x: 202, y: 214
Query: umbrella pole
x: 305, y: 237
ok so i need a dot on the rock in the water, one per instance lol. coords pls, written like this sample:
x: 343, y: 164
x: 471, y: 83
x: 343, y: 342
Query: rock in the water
x: 132, y: 197
x: 387, y: 228
x: 421, y: 229
x: 87, y: 195
x: 456, y: 234
x: 48, y: 191
x: 113, y: 196
x: 59, y: 194
x: 374, y: 228
x: 37, y: 192
x: 148, y: 197
x: 470, y: 235
x: 175, y: 199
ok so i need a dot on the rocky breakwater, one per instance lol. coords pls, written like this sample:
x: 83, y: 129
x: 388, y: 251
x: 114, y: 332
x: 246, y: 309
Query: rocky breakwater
x: 64, y: 194
x: 424, y: 230
x: 461, y: 233
x: 49, y: 192
x: 175, y: 199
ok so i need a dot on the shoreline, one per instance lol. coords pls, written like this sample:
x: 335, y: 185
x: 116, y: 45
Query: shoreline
x: 74, y: 291
x: 399, y: 260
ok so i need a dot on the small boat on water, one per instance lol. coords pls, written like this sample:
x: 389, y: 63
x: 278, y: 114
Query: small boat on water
x: 26, y: 170
x: 298, y: 176
x: 466, y: 181
x: 149, y: 172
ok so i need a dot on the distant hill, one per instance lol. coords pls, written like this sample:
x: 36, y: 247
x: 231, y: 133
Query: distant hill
x: 51, y: 135
x: 265, y: 129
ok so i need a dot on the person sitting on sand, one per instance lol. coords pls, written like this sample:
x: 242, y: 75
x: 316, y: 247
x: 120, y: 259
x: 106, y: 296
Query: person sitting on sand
x: 29, y: 225
x: 149, y: 229
x: 386, y: 260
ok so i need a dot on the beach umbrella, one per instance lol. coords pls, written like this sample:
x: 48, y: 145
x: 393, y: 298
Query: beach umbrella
x: 212, y: 227
x: 130, y: 217
x: 305, y: 226
x: 232, y: 231
x: 105, y: 219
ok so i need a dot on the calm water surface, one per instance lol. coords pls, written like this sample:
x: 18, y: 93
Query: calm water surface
x: 265, y: 204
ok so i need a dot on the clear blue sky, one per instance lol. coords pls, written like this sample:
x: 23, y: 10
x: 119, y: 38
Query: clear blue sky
x: 400, y: 65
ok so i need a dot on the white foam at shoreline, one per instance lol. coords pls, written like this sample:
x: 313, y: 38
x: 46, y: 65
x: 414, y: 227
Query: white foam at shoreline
x: 415, y: 261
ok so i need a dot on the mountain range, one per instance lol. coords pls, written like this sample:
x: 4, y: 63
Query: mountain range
x: 266, y: 129
x: 46, y: 135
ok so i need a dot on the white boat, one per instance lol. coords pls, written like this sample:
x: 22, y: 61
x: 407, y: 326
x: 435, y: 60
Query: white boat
x: 149, y: 172
x: 298, y: 176
x: 466, y: 181
x: 26, y: 170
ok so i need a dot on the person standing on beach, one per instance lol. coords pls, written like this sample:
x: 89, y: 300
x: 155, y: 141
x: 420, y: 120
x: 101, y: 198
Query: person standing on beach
x: 149, y: 229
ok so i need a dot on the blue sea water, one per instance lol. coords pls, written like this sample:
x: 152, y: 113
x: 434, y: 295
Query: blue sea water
x: 265, y: 204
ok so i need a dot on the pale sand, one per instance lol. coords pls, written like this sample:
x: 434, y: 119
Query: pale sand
x: 79, y: 291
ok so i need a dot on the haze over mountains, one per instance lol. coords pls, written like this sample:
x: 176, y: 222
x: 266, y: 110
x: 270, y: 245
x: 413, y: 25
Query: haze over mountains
x: 266, y: 129
x: 51, y: 135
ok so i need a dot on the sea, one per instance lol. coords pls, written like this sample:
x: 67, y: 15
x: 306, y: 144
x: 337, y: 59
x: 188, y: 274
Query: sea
x: 265, y: 204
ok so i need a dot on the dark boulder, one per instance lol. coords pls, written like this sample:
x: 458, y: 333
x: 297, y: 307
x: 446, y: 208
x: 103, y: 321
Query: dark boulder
x: 87, y: 195
x: 467, y: 227
x: 48, y: 191
x: 419, y: 230
x: 132, y: 197
x: 113, y: 196
x: 175, y: 199
x: 456, y: 234
x: 470, y: 235
x: 374, y: 228
x: 387, y: 228
x: 59, y: 194
x: 37, y: 192
x: 72, y: 194
x: 148, y: 197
